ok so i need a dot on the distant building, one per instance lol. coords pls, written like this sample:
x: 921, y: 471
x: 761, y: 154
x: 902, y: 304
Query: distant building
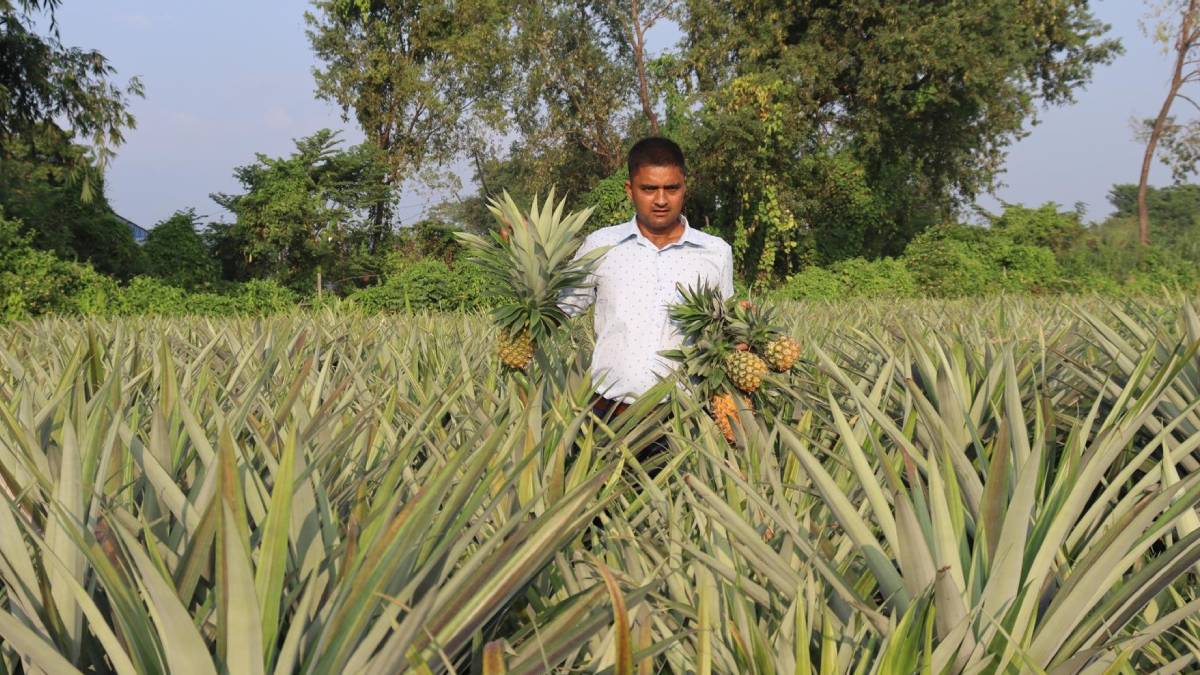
x: 139, y: 233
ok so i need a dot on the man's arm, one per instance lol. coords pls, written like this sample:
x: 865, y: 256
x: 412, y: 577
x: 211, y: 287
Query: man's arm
x: 727, y: 274
x: 575, y: 301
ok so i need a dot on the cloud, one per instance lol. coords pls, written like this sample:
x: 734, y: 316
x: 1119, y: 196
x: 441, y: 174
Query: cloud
x: 278, y: 119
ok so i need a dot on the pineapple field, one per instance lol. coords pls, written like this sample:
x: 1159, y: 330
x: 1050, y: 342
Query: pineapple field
x: 1000, y: 486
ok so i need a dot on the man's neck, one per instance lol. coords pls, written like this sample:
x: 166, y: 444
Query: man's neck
x: 662, y: 238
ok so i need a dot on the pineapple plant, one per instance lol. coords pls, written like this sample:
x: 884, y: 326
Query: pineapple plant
x: 710, y: 359
x: 730, y: 345
x: 529, y: 258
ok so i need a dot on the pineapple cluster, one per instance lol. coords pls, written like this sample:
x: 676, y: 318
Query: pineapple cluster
x: 731, y: 346
x: 529, y: 258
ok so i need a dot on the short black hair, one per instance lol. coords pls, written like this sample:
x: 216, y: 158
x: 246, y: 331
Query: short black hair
x: 655, y: 151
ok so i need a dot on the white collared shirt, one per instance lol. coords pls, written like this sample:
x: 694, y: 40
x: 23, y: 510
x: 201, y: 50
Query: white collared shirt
x: 632, y: 287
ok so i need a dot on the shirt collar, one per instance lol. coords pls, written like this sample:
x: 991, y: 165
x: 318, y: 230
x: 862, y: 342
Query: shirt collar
x: 690, y: 234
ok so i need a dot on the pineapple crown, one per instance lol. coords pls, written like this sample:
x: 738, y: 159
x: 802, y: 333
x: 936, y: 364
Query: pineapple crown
x: 529, y: 260
x: 701, y: 312
x: 751, y: 323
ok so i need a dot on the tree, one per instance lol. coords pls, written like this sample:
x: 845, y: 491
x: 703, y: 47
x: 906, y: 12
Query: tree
x: 637, y: 18
x: 175, y: 253
x: 923, y: 97
x: 38, y: 186
x: 1174, y: 210
x: 44, y: 83
x: 299, y: 214
x: 1177, y: 27
x: 411, y: 72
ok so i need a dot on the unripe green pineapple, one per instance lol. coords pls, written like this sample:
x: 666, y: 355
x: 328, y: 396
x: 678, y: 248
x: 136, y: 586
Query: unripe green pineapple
x: 745, y: 370
x: 516, y: 351
x: 782, y: 353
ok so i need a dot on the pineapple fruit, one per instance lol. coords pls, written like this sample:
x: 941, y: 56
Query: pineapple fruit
x: 745, y: 370
x: 516, y: 351
x: 781, y: 353
x: 530, y: 259
x: 725, y: 413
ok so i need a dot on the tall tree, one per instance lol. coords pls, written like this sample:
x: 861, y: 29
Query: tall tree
x: 1176, y: 24
x: 39, y: 184
x: 637, y: 18
x: 923, y: 97
x: 572, y: 87
x: 44, y: 83
x: 412, y: 73
x: 298, y: 213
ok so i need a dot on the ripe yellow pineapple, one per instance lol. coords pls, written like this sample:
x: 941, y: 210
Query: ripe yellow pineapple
x: 781, y: 353
x: 725, y: 413
x: 745, y: 370
x: 516, y: 351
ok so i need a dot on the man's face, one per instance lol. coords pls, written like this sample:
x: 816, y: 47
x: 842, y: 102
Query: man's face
x: 657, y: 194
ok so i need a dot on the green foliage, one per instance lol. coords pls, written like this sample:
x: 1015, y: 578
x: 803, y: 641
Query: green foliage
x: 175, y: 253
x: 1174, y: 216
x: 264, y: 296
x: 852, y: 278
x: 903, y: 109
x: 1044, y: 226
x: 44, y: 83
x: 35, y: 282
x: 427, y: 284
x: 152, y: 296
x: 300, y: 213
x: 430, y: 238
x: 39, y: 186
x: 964, y: 261
x: 148, y: 295
x: 409, y: 71
x: 609, y: 201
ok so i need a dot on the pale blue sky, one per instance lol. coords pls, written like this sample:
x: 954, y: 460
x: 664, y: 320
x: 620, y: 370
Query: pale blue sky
x: 227, y: 79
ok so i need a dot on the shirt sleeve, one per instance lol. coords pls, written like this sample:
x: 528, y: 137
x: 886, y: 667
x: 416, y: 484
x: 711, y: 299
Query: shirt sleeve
x: 727, y: 274
x: 574, y: 301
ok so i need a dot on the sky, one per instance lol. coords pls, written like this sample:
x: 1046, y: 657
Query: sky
x: 225, y: 80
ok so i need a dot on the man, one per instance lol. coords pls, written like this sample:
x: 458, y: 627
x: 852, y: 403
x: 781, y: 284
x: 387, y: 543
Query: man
x: 636, y: 280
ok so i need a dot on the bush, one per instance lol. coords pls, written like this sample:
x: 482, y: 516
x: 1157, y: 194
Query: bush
x: 35, y: 282
x: 149, y: 295
x: 852, y: 278
x: 949, y: 262
x: 427, y: 285
x: 813, y: 283
x: 1044, y: 227
x: 264, y: 296
x: 883, y: 278
x: 1028, y: 269
x: 175, y: 253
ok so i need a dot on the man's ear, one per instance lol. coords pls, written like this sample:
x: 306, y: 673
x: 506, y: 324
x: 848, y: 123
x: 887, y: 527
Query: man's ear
x: 629, y: 190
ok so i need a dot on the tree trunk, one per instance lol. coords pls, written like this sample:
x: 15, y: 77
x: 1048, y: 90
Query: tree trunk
x: 1183, y: 46
x: 639, y: 60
